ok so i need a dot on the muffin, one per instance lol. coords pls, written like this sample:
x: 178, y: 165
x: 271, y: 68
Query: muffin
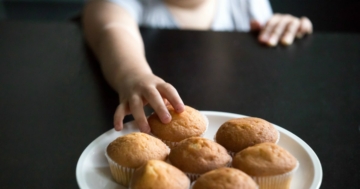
x: 127, y: 153
x: 224, y: 178
x: 189, y: 123
x: 270, y: 165
x: 197, y: 155
x: 156, y: 174
x: 240, y: 133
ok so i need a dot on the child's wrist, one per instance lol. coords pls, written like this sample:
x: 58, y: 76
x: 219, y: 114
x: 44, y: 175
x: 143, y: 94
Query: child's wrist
x: 126, y: 77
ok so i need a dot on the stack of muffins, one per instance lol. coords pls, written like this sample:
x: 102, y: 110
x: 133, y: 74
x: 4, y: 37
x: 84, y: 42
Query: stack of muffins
x: 244, y: 154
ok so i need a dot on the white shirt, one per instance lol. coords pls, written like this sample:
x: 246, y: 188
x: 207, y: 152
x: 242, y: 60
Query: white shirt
x: 230, y: 15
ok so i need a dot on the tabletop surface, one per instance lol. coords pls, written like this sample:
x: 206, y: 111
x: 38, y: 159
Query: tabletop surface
x: 54, y: 100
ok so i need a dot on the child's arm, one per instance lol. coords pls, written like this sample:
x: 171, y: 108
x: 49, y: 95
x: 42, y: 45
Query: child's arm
x: 115, y: 39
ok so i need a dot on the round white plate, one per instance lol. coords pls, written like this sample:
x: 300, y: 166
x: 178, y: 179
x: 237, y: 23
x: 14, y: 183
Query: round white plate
x: 92, y: 170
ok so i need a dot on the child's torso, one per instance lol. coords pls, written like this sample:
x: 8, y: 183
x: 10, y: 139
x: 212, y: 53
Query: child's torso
x: 217, y: 15
x: 199, y: 16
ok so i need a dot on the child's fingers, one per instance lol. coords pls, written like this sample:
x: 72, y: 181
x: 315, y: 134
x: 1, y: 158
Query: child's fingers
x: 137, y: 109
x: 171, y: 94
x: 279, y: 30
x: 119, y: 116
x: 291, y: 30
x: 284, y: 28
x: 155, y: 100
x: 269, y: 27
x: 305, y: 27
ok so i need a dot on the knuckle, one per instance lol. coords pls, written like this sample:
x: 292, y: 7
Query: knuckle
x: 272, y: 21
x: 288, y: 16
x: 296, y: 21
x: 140, y: 86
x: 167, y: 87
x: 293, y: 26
x: 133, y: 100
x: 289, y: 19
x: 304, y: 18
x: 277, y: 15
x: 142, y: 83
x: 150, y: 92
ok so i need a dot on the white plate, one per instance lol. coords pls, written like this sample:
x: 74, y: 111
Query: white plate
x: 92, y: 170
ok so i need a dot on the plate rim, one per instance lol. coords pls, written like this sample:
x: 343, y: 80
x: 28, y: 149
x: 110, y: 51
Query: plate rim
x: 318, y: 173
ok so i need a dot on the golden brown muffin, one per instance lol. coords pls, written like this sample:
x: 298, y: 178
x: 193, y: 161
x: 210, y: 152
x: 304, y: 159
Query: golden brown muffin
x: 156, y: 174
x: 187, y: 124
x: 197, y: 155
x: 225, y: 178
x: 240, y: 133
x: 128, y: 152
x: 267, y: 163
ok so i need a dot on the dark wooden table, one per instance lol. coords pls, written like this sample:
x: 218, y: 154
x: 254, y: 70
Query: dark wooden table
x: 54, y: 100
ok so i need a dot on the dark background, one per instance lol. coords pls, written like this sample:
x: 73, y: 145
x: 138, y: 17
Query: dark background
x: 65, y: 76
x: 334, y: 15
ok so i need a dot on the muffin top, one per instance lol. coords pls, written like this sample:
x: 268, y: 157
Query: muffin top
x: 239, y: 133
x: 183, y: 125
x: 134, y: 149
x: 225, y: 178
x: 156, y: 174
x: 199, y: 155
x: 265, y: 159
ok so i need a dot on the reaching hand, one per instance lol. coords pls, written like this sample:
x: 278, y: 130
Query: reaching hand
x: 283, y: 28
x: 136, y: 91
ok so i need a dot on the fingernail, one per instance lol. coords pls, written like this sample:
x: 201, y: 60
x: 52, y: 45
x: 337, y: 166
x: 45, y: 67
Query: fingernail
x: 287, y: 40
x: 273, y: 41
x: 167, y: 118
x: 118, y: 127
x: 180, y: 108
x: 264, y: 37
x: 143, y: 126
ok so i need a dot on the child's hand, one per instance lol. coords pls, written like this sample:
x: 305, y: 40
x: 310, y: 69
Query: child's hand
x: 283, y: 28
x: 136, y: 90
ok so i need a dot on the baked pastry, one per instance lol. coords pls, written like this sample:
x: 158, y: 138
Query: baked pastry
x: 270, y: 165
x: 197, y: 155
x: 187, y: 124
x: 240, y: 133
x: 224, y: 178
x: 157, y: 174
x: 126, y: 153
